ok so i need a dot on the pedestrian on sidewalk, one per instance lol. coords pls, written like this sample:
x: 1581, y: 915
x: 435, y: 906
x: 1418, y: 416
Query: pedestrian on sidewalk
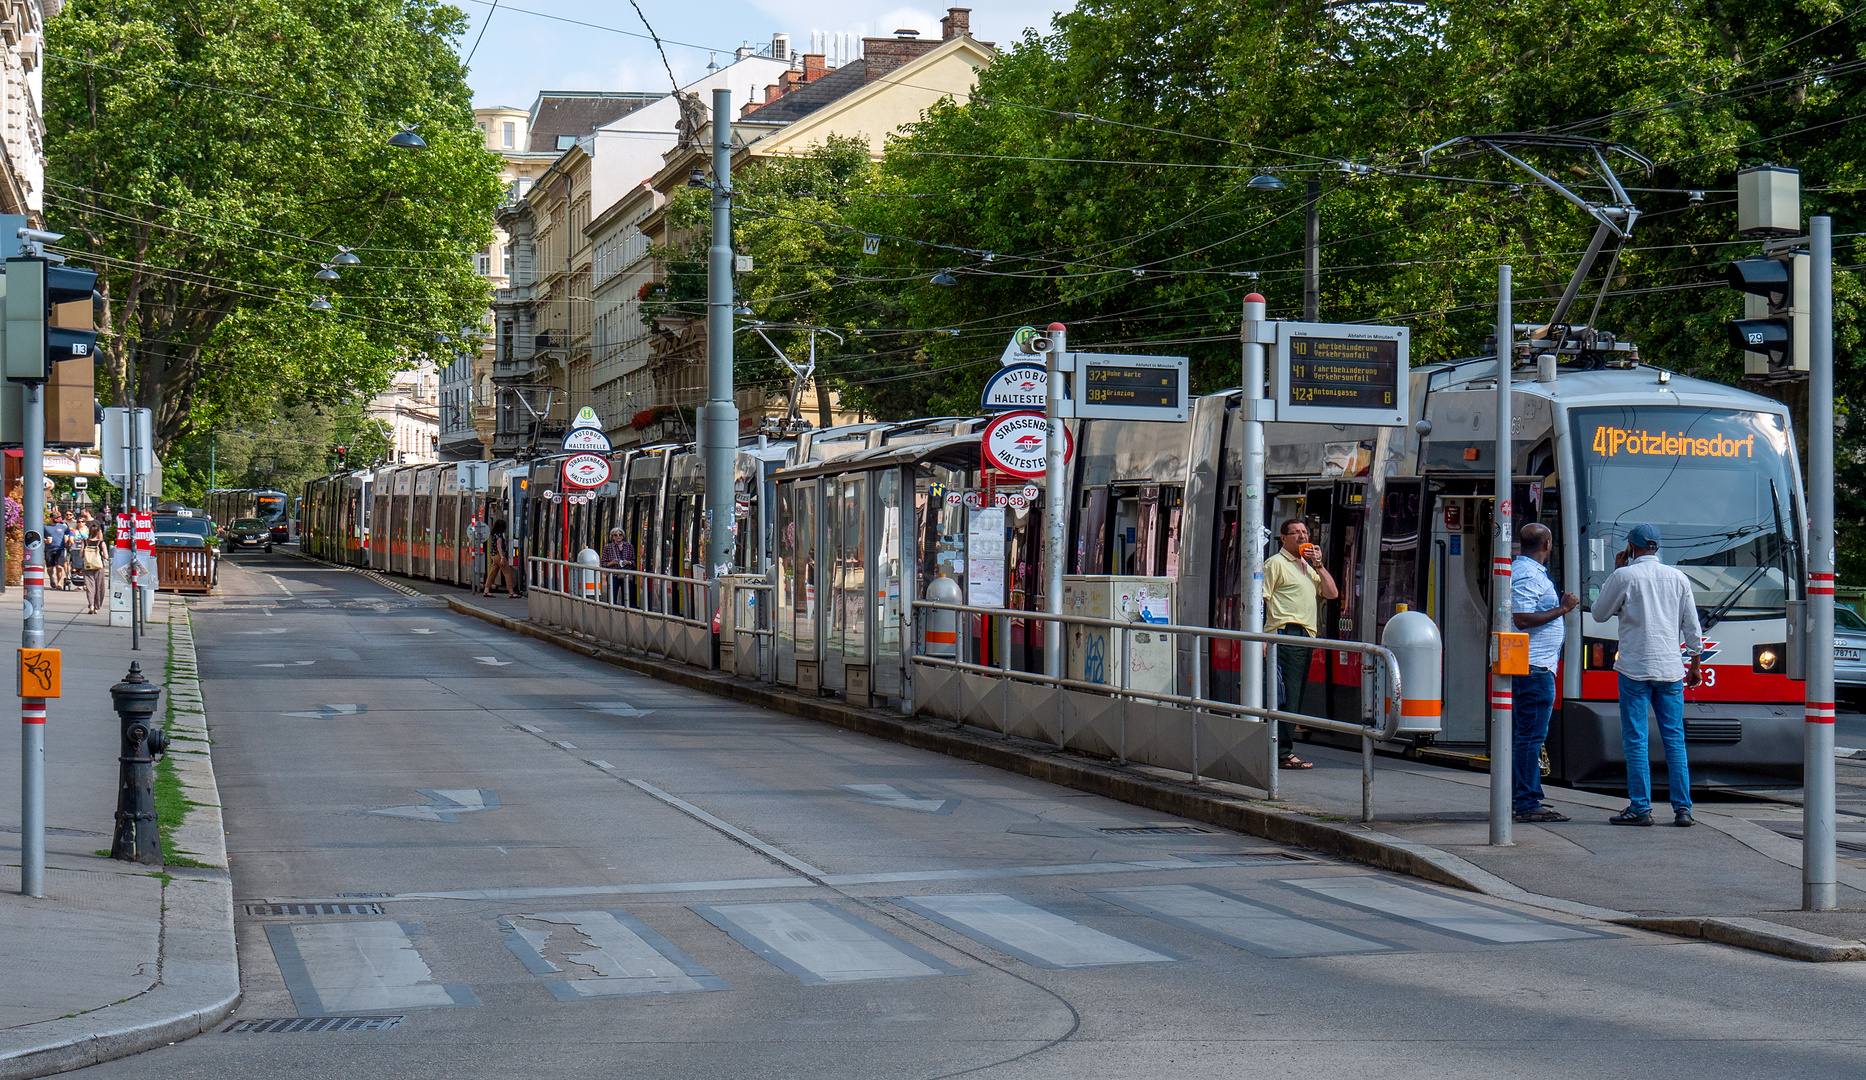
x: 1658, y: 623
x: 1292, y: 580
x: 1538, y: 609
x: 498, y: 559
x: 56, y: 534
x: 95, y: 565
x: 618, y: 554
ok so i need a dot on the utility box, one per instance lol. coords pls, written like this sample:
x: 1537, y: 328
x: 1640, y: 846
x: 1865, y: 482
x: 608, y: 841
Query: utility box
x: 1095, y: 654
x: 1768, y: 202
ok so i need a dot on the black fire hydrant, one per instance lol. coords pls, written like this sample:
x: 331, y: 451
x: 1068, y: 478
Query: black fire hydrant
x: 138, y: 838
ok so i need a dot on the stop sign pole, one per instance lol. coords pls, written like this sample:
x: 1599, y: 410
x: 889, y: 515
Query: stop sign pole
x: 1057, y: 362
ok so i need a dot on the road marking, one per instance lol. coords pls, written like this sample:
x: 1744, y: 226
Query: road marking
x: 530, y: 728
x: 820, y: 944
x: 600, y: 764
x: 295, y: 663
x: 733, y: 831
x: 624, y: 955
x: 357, y: 967
x: 1234, y: 920
x: 492, y: 661
x: 444, y: 804
x: 425, y: 630
x: 889, y: 795
x: 323, y: 711
x: 1027, y: 932
x: 266, y: 630
x: 615, y: 708
x: 1479, y: 922
x: 562, y: 745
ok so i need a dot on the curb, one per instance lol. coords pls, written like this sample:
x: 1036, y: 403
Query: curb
x: 199, y: 975
x: 1187, y: 800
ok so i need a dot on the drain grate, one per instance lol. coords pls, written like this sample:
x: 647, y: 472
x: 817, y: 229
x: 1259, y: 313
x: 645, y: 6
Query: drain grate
x: 1243, y: 858
x: 314, y: 909
x: 293, y: 1024
x: 1153, y: 830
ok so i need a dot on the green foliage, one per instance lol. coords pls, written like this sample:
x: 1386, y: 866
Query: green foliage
x: 206, y: 157
x: 279, y: 452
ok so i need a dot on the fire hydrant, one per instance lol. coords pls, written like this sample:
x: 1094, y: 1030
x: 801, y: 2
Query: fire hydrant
x: 137, y: 838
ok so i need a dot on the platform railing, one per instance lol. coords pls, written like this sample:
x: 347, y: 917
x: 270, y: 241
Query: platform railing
x: 1125, y: 723
x: 662, y: 615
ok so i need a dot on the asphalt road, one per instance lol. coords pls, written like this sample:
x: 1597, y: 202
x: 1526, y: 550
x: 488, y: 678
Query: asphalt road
x: 546, y: 867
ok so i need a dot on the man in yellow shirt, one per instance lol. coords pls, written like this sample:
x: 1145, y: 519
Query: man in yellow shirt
x: 1292, y: 580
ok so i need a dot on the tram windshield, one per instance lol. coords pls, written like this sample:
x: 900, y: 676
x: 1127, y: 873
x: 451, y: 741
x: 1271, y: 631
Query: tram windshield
x: 1715, y: 482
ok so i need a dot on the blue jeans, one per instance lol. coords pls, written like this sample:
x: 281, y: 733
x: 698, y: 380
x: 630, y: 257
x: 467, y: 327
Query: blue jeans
x: 1535, y: 699
x: 1667, y: 701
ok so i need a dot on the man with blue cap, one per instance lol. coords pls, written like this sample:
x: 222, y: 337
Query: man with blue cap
x: 1658, y: 624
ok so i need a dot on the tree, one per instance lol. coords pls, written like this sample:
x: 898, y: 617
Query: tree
x: 207, y: 158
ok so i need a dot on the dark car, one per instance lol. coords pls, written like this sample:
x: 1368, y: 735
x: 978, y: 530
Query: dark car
x: 281, y: 532
x: 246, y: 533
x: 183, y: 529
x: 1849, y: 654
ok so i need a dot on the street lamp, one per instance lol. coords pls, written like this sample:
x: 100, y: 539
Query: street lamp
x: 345, y: 257
x: 325, y: 273
x: 318, y: 303
x: 407, y: 139
x: 943, y: 278
x: 1265, y: 182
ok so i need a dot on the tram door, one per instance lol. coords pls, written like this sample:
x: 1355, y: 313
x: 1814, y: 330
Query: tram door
x: 845, y: 604
x: 1337, y: 516
x: 803, y: 576
x: 1457, y: 602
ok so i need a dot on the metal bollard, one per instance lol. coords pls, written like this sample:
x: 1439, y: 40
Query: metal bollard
x: 137, y: 838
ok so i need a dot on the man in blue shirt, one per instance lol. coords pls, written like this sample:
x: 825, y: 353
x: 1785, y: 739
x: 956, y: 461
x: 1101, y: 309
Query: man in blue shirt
x: 1537, y: 609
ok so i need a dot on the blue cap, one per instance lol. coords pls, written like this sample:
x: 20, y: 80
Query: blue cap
x: 1643, y: 536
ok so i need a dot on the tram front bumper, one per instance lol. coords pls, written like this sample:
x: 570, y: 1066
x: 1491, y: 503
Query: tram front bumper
x: 1726, y: 742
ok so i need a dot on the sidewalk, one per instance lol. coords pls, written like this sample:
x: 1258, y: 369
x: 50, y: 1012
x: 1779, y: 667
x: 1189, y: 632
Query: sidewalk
x: 116, y: 957
x: 1735, y: 878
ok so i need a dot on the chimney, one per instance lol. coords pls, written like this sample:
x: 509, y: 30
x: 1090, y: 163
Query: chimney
x: 957, y: 23
x: 813, y: 67
x: 743, y: 52
x: 771, y: 93
x: 881, y: 55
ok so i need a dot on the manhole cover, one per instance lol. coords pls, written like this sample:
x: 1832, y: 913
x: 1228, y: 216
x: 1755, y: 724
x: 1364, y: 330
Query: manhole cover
x: 290, y: 1024
x: 314, y: 909
x: 1154, y: 830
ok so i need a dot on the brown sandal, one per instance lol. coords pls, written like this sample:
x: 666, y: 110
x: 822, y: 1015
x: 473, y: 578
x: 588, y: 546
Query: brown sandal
x: 1294, y: 762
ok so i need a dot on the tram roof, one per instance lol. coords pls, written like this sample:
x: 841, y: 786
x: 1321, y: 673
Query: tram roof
x: 882, y: 457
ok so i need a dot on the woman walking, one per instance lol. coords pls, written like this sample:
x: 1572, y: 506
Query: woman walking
x: 498, y: 560
x: 94, y: 562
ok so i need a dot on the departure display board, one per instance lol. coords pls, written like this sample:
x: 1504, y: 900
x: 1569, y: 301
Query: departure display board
x: 1109, y: 387
x: 1340, y: 374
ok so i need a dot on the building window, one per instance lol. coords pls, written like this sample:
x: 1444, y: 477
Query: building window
x: 565, y: 142
x: 508, y: 135
x: 485, y: 264
x: 508, y: 260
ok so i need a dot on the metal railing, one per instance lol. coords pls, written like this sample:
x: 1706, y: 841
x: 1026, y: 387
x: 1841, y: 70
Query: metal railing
x: 1386, y: 681
x: 654, y: 614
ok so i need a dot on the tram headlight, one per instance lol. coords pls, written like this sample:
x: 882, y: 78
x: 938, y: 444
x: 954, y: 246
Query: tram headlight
x: 1769, y: 659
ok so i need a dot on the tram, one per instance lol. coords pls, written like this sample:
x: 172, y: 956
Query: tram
x: 276, y: 508
x: 851, y: 523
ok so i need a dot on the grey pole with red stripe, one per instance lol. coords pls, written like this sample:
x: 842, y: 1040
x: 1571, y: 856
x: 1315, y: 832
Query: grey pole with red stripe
x: 1501, y: 717
x: 1818, y: 889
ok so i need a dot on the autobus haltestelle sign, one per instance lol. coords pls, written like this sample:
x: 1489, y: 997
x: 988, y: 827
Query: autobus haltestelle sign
x: 1018, y: 444
x: 585, y: 471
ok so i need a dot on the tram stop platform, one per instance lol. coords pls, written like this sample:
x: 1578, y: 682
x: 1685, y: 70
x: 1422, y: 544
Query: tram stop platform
x: 1734, y: 878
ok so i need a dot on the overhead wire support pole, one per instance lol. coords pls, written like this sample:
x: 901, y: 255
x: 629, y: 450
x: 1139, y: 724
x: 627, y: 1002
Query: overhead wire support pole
x: 1819, y: 891
x: 719, y: 426
x: 1502, y: 735
x: 32, y: 636
x: 1312, y: 254
x: 1256, y: 331
x: 1055, y: 496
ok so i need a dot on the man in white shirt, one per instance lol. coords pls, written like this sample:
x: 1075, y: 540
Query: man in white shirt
x: 1658, y: 620
x: 1538, y: 609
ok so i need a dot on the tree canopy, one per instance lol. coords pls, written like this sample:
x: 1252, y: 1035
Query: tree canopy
x: 208, y: 158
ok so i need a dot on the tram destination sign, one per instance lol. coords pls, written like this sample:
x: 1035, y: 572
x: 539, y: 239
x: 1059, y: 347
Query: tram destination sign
x: 1111, y: 387
x: 1340, y: 373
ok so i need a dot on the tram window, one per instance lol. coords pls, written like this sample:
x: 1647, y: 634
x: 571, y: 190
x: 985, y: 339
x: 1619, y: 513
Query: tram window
x: 1399, y: 551
x: 1092, y: 533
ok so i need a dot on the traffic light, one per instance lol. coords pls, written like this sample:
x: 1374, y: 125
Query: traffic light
x: 1774, y: 327
x: 34, y: 287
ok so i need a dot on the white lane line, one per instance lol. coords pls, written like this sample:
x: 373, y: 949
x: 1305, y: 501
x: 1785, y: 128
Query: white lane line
x: 1479, y: 922
x: 891, y: 796
x: 820, y: 944
x: 600, y: 764
x: 493, y: 661
x: 1027, y: 932
x: 357, y: 967
x: 533, y: 730
x: 562, y: 745
x: 1234, y: 920
x: 733, y: 831
x: 554, y: 892
x: 627, y: 957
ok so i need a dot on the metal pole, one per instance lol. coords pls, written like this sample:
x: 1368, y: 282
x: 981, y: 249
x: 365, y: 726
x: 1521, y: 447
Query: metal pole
x: 719, y: 433
x: 1312, y: 255
x: 1501, y: 733
x: 1055, y: 500
x: 1250, y: 522
x: 32, y: 710
x: 1818, y: 889
x: 131, y: 494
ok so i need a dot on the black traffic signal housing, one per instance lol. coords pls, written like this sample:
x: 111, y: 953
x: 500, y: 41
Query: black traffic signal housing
x: 1774, y: 327
x: 34, y: 287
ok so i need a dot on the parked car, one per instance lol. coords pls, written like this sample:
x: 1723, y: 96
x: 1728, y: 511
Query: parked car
x: 1849, y: 655
x: 183, y: 529
x: 245, y: 533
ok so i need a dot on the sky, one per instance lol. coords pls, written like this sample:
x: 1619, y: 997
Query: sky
x: 522, y: 53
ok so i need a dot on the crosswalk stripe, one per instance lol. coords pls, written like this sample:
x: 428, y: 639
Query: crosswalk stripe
x: 1480, y: 922
x: 1234, y: 920
x: 1027, y: 932
x: 627, y: 957
x: 350, y: 967
x: 821, y: 944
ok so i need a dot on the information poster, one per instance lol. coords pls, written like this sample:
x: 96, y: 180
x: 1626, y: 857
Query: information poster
x: 984, y: 556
